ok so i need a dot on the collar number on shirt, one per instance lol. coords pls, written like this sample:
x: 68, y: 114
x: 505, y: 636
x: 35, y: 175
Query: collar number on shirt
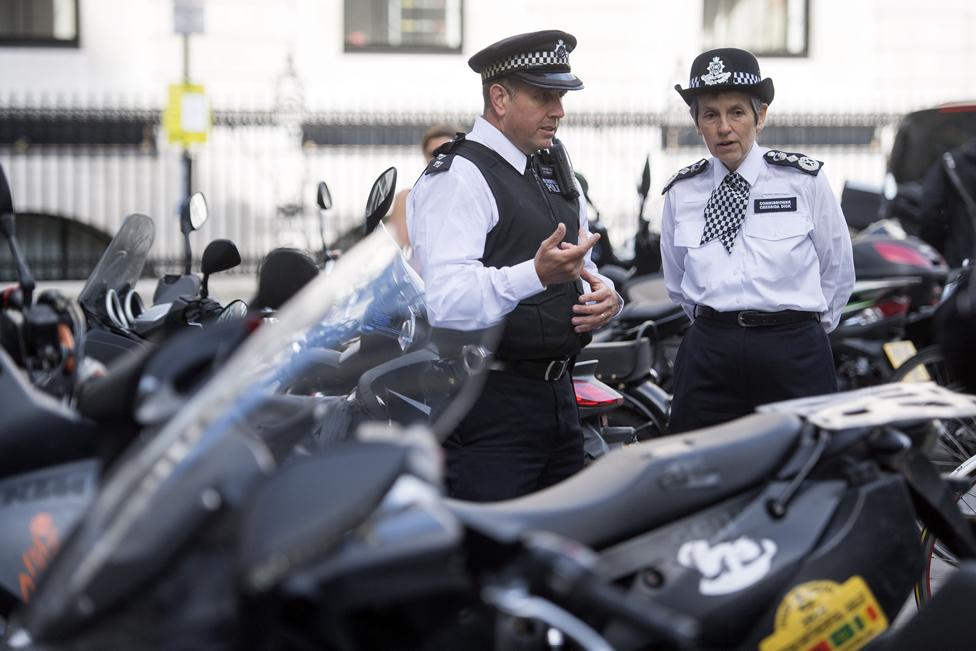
x: 781, y: 204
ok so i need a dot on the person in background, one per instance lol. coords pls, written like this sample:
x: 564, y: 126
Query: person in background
x: 499, y: 234
x: 433, y: 138
x: 756, y: 250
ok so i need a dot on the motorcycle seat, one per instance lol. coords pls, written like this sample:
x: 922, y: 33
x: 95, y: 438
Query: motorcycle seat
x: 648, y: 311
x: 619, y: 361
x: 37, y: 430
x: 668, y: 317
x: 640, y: 487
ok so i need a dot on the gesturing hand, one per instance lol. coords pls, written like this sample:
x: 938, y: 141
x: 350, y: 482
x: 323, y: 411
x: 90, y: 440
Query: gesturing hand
x: 561, y: 262
x: 596, y: 307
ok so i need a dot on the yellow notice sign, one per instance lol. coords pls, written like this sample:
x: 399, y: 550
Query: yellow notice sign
x: 187, y: 116
x: 826, y: 616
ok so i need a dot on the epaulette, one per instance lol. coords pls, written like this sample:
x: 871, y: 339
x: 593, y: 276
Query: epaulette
x: 793, y: 159
x: 686, y: 173
x: 444, y: 156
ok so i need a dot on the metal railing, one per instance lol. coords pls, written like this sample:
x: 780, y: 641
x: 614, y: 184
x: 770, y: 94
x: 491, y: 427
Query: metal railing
x: 259, y: 169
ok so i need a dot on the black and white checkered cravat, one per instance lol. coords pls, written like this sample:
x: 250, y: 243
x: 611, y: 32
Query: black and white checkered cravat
x: 725, y: 210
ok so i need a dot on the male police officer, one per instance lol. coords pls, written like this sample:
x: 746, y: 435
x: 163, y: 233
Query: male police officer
x: 500, y: 234
x: 755, y: 248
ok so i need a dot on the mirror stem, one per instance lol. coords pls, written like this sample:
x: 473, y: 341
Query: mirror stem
x: 23, y: 272
x: 187, y: 256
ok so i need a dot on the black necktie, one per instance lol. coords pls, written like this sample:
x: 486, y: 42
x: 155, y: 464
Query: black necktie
x: 725, y: 210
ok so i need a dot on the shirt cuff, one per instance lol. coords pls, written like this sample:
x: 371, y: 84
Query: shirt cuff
x: 620, y: 300
x: 524, y: 281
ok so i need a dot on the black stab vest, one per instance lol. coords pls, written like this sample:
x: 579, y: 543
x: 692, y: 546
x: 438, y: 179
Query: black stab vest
x: 540, y: 326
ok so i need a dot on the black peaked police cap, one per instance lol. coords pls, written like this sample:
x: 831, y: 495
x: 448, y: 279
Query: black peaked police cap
x: 538, y: 58
x: 726, y: 69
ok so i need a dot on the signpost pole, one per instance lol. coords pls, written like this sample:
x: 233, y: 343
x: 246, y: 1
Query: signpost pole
x: 187, y: 159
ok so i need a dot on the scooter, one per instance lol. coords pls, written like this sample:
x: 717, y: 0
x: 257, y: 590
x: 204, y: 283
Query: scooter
x: 118, y: 321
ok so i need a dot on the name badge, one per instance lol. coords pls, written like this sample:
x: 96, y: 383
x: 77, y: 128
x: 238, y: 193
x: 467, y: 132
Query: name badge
x: 783, y: 204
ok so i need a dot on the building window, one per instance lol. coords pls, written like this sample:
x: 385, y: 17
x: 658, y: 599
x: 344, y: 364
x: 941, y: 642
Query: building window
x: 403, y: 25
x: 764, y: 27
x: 44, y: 23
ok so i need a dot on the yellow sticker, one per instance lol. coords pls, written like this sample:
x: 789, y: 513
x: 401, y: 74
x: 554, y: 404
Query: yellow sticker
x: 826, y: 616
x: 898, y: 352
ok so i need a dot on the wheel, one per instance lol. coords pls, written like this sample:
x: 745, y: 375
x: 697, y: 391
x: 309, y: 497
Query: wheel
x: 956, y: 437
x: 939, y: 561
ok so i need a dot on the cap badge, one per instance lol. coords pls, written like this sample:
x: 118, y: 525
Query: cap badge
x: 560, y: 50
x: 716, y: 74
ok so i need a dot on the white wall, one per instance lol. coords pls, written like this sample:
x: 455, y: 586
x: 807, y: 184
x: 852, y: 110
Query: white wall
x: 865, y: 55
x: 887, y: 56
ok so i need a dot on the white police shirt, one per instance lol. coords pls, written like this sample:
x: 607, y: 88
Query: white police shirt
x: 792, y: 252
x: 449, y: 215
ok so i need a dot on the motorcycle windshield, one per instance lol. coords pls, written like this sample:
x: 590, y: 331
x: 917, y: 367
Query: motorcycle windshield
x: 121, y: 264
x: 352, y: 346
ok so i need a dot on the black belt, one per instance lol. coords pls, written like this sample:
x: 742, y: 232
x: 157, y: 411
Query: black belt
x: 754, y: 318
x: 549, y: 370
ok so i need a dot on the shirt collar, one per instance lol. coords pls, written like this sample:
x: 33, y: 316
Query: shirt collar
x: 485, y: 133
x: 749, y: 168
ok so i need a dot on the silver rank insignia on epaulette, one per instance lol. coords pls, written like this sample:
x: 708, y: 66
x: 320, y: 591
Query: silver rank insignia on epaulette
x: 686, y: 173
x: 794, y: 160
x: 441, y: 163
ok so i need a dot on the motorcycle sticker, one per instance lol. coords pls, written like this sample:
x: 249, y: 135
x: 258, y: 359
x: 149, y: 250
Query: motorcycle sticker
x: 728, y: 566
x: 44, y: 545
x: 826, y: 616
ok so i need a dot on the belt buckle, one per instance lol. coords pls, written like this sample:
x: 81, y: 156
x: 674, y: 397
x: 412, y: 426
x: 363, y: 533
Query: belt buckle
x: 745, y: 313
x: 560, y: 364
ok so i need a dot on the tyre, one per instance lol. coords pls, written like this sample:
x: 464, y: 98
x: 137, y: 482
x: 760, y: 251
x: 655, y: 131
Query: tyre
x: 956, y: 437
x: 939, y: 561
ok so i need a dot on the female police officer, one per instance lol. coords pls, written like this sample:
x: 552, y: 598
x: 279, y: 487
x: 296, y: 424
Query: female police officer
x: 755, y: 248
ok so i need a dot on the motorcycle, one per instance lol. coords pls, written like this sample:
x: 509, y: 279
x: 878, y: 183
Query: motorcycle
x: 117, y: 318
x: 643, y: 259
x: 715, y: 535
x: 169, y: 490
x: 53, y: 455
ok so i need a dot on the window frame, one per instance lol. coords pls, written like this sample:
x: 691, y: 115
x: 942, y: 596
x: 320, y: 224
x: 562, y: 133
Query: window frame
x: 47, y: 42
x: 403, y: 49
x: 782, y: 54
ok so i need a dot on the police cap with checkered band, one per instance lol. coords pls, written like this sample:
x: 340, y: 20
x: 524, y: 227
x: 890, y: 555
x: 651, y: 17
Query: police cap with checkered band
x: 726, y: 69
x: 538, y: 58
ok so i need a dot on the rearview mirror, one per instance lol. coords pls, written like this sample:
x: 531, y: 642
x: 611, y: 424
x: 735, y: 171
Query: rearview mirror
x: 219, y: 255
x: 198, y: 210
x: 380, y: 199
x: 645, y: 184
x: 6, y: 200
x: 324, y: 198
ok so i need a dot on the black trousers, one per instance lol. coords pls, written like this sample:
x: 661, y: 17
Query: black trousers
x: 521, y: 436
x: 724, y: 371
